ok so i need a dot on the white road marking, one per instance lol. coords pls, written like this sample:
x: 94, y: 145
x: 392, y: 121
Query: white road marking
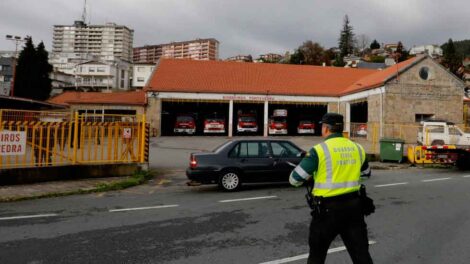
x: 27, y: 216
x: 304, y: 256
x: 391, y: 184
x: 466, y: 176
x: 144, y: 208
x: 247, y: 199
x: 437, y: 179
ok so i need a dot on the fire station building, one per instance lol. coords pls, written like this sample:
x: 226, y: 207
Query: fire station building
x: 400, y: 95
x: 386, y: 102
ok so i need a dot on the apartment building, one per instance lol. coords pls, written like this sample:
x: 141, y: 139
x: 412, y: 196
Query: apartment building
x: 240, y: 58
x: 269, y: 57
x: 198, y: 49
x: 80, y: 42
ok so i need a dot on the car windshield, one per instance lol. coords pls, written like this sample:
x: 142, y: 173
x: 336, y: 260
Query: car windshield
x: 215, y: 120
x: 221, y: 147
x: 247, y: 119
x: 279, y: 119
x: 184, y: 119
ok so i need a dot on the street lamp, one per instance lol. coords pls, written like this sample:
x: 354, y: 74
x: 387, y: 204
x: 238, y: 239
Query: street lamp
x: 17, y: 40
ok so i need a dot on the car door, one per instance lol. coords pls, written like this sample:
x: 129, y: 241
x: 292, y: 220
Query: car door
x: 253, y: 158
x: 285, y: 155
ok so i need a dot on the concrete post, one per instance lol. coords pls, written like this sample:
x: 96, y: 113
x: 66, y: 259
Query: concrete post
x: 230, y: 119
x: 348, y: 117
x: 265, y: 121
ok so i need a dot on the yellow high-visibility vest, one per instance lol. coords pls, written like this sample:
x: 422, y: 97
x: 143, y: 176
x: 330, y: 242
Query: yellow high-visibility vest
x: 339, y: 167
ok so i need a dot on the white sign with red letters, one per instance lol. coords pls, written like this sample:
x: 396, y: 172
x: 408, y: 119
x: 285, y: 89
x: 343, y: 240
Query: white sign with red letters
x: 12, y: 143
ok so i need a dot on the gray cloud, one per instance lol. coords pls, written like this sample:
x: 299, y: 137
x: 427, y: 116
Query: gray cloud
x: 247, y: 26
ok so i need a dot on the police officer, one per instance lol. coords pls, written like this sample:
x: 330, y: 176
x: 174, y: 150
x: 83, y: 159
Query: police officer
x: 334, y: 168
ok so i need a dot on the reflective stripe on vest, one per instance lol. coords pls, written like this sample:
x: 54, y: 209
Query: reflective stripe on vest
x: 349, y: 157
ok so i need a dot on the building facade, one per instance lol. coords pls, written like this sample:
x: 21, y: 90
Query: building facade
x: 434, y: 51
x: 99, y: 76
x: 6, y: 75
x: 240, y: 58
x: 198, y: 49
x: 141, y: 73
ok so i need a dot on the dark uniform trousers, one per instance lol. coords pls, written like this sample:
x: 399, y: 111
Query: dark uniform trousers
x: 342, y: 217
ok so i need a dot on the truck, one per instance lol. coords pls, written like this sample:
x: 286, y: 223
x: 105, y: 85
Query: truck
x: 441, y: 142
x: 278, y: 122
x: 246, y: 122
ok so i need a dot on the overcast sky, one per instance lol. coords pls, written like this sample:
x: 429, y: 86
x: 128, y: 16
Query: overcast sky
x: 246, y: 26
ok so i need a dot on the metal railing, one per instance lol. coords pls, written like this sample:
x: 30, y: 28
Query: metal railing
x: 40, y: 138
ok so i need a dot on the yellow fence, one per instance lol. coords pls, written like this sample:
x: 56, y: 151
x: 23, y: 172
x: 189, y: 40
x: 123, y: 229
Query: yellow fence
x: 38, y: 138
x: 369, y: 134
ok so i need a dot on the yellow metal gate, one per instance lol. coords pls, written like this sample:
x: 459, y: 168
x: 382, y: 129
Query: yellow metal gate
x: 39, y: 138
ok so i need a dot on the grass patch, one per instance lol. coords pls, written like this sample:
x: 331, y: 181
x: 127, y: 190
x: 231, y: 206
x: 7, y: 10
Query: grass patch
x: 139, y: 177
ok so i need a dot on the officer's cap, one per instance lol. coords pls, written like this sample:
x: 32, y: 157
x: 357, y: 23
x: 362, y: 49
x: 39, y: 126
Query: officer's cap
x: 332, y: 119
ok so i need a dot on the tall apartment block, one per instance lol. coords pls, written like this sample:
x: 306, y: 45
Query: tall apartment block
x: 109, y: 45
x: 80, y: 42
x: 198, y: 49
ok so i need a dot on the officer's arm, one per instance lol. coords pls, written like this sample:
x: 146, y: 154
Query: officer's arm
x: 304, y: 171
x: 365, y: 169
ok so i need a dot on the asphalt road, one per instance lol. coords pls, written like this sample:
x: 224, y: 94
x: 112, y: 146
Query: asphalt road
x: 422, y: 217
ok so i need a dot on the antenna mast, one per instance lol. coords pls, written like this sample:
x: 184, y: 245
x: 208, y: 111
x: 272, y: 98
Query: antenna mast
x: 84, y: 12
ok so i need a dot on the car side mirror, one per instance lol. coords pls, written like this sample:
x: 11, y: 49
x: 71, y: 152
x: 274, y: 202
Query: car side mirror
x: 302, y: 154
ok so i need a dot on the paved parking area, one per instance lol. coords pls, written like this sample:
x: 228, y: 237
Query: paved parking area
x: 173, y: 152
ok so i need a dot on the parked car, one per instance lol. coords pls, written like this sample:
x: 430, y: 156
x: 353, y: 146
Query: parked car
x: 244, y: 161
x: 185, y: 124
x: 214, y: 124
x: 306, y: 127
x: 247, y: 123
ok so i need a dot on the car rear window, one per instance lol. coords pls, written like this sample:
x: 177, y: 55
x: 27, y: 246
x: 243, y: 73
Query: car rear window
x: 305, y: 122
x: 221, y: 147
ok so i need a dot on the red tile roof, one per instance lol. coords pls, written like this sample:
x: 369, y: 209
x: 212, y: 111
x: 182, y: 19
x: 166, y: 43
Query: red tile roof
x: 176, y: 75
x: 379, y: 78
x: 173, y: 75
x: 119, y: 98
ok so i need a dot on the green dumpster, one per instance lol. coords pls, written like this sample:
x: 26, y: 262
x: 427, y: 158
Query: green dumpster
x: 391, y: 149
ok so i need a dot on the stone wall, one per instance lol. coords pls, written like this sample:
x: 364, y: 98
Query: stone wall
x: 440, y: 95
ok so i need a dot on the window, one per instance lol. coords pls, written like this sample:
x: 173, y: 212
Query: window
x: 423, y: 117
x: 100, y: 69
x: 250, y: 150
x: 91, y: 69
x: 454, y: 131
x: 284, y: 149
x: 140, y: 79
x: 424, y: 73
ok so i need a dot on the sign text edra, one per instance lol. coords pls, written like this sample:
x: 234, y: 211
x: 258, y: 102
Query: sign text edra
x: 12, y: 143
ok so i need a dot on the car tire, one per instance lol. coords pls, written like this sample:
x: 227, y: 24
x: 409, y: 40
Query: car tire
x: 230, y: 181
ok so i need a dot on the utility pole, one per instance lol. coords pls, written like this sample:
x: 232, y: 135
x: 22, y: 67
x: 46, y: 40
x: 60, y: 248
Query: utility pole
x: 17, y: 40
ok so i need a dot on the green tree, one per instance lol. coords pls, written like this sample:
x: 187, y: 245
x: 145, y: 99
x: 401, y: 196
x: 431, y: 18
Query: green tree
x: 346, y: 39
x: 374, y: 45
x: 32, y: 72
x: 297, y: 57
x: 313, y: 53
x: 401, y: 53
x: 451, y: 60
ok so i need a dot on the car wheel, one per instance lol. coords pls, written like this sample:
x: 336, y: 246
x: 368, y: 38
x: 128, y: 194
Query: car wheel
x: 230, y: 181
